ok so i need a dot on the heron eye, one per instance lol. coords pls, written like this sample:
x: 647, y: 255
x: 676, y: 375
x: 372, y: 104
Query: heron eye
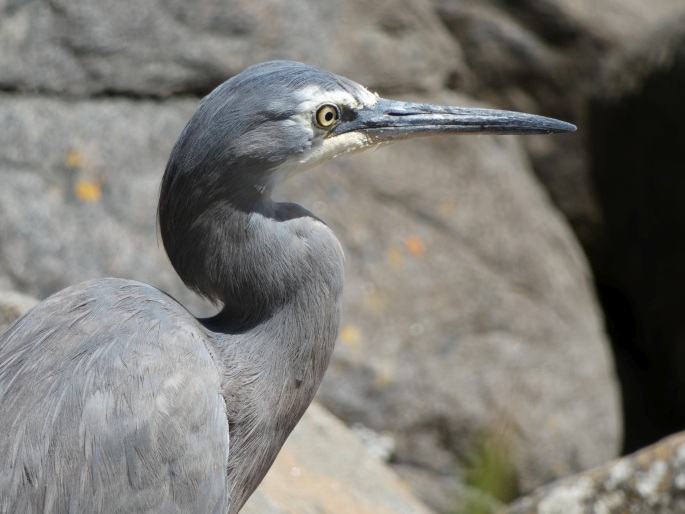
x: 326, y: 116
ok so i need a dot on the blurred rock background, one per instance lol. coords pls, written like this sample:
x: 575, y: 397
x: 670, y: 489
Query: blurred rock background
x: 513, y: 310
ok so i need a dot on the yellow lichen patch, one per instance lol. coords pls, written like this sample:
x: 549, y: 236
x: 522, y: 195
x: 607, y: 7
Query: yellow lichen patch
x: 375, y: 301
x: 415, y: 246
x: 385, y: 375
x: 395, y: 258
x: 446, y: 209
x: 88, y: 191
x: 663, y: 452
x: 352, y: 340
x: 351, y: 335
x: 74, y: 159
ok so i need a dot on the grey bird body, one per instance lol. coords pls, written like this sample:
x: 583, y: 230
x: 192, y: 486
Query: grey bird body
x: 125, y: 405
x: 113, y: 398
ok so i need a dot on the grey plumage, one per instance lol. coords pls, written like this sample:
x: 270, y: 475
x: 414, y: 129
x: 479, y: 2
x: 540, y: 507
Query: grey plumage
x: 96, y: 412
x: 113, y: 398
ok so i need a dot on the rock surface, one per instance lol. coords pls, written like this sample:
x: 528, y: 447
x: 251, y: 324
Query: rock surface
x: 80, y: 186
x: 161, y: 47
x: 548, y: 56
x: 651, y: 481
x: 615, y: 69
x: 324, y: 469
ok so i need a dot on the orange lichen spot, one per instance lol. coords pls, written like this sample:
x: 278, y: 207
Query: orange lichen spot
x: 415, y: 246
x: 88, y: 191
x: 74, y: 159
x: 350, y: 335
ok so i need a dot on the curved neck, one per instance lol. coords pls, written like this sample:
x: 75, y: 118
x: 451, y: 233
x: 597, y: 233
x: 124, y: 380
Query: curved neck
x: 279, y: 272
x: 237, y: 247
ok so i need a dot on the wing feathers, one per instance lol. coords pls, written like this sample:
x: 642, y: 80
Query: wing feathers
x: 109, y: 402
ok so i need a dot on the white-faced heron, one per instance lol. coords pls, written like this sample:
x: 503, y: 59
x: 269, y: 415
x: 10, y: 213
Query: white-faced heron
x: 113, y: 398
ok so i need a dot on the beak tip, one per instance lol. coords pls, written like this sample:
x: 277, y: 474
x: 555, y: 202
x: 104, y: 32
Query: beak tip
x: 546, y: 125
x: 567, y: 127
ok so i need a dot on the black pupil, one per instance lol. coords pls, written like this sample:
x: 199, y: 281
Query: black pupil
x: 328, y: 116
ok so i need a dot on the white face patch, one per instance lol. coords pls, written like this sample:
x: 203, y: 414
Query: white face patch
x: 326, y: 148
x: 323, y: 150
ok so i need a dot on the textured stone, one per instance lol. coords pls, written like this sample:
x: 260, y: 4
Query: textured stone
x: 158, y: 47
x: 324, y: 469
x: 613, y: 68
x: 651, y: 481
x: 80, y: 186
x: 546, y: 56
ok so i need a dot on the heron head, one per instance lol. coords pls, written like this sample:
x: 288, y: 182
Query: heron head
x: 281, y: 117
x: 270, y: 120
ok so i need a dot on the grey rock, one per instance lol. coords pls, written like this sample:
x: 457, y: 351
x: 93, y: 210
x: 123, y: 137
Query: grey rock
x: 159, y: 48
x: 546, y: 56
x: 615, y: 69
x: 324, y: 468
x: 81, y: 181
x: 651, y: 481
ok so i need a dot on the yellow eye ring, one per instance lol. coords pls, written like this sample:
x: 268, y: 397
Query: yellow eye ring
x: 327, y: 116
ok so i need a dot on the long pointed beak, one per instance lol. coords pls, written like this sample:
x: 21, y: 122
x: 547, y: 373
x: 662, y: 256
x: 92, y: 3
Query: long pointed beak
x: 389, y: 120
